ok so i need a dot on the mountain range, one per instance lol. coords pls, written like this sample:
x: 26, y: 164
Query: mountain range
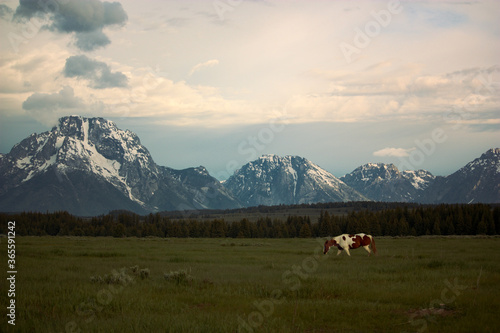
x: 88, y: 166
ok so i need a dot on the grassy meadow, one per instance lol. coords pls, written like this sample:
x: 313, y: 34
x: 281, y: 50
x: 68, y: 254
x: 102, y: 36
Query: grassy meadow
x: 425, y: 284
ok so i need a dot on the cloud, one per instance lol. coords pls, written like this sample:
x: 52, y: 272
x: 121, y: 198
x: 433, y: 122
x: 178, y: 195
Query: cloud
x: 88, y: 41
x: 97, y: 72
x: 48, y: 107
x: 86, y: 19
x: 36, y: 70
x: 5, y: 11
x: 395, y: 152
x: 210, y: 63
x: 64, y: 99
x: 402, y: 91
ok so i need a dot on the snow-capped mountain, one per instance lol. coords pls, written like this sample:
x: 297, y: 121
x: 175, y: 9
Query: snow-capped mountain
x: 88, y: 166
x: 478, y: 181
x: 274, y: 180
x: 384, y: 182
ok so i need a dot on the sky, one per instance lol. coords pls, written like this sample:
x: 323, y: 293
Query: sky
x: 219, y: 83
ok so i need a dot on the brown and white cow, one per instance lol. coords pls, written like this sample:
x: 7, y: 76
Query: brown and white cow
x: 347, y: 242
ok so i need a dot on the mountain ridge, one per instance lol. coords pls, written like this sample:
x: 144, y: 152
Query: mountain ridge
x: 477, y: 181
x: 384, y: 182
x: 272, y: 179
x: 88, y: 166
x: 95, y: 150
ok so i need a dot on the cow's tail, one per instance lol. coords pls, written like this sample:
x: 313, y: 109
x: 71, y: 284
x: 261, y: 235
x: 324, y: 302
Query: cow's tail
x: 374, y: 248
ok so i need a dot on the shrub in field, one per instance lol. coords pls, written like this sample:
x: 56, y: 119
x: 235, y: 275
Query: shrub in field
x: 116, y: 277
x: 179, y: 277
x: 144, y: 273
x: 97, y: 279
x: 433, y: 264
x: 121, y: 276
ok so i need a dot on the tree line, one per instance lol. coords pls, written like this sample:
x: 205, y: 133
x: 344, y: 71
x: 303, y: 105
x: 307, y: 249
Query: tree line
x: 406, y: 220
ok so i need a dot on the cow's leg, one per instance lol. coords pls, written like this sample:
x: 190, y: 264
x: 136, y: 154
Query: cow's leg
x: 338, y: 252
x: 347, y: 251
x: 367, y: 248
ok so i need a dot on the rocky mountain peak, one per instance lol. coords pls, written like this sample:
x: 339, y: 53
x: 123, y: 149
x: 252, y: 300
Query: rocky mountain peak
x: 488, y: 162
x: 372, y: 172
x: 493, y: 152
x: 111, y: 159
x: 273, y: 179
x: 477, y: 181
x: 384, y: 182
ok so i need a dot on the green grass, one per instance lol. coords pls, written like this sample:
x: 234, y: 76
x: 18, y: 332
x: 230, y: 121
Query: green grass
x: 260, y: 285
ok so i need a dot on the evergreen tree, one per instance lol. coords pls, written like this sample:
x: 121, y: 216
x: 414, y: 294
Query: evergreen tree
x: 118, y: 230
x: 460, y: 228
x: 491, y: 227
x: 280, y: 230
x: 364, y: 225
x: 184, y: 230
x: 305, y: 231
x: 490, y: 223
x: 194, y: 228
x: 217, y: 228
x: 436, y: 230
x: 234, y: 229
x: 482, y: 227
x: 496, y: 219
x: 325, y: 225
x: 352, y: 224
x: 419, y: 223
x: 375, y: 228
x: 450, y: 225
x: 336, y: 230
x: 403, y: 227
x: 245, y: 228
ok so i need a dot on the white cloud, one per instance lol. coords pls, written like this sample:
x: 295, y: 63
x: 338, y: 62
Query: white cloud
x: 398, y: 91
x: 48, y: 107
x: 394, y: 152
x: 286, y: 57
x: 383, y: 91
x: 33, y: 71
x: 209, y: 63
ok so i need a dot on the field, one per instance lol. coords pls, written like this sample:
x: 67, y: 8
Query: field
x: 76, y: 284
